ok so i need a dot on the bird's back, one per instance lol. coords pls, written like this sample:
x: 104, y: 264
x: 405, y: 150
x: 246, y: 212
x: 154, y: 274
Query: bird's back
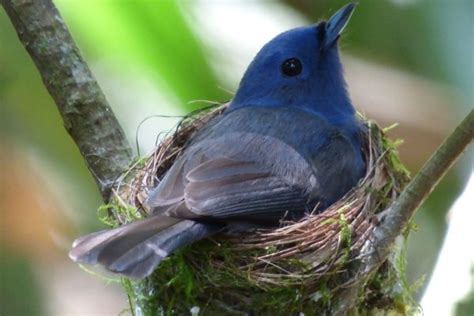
x: 287, y: 146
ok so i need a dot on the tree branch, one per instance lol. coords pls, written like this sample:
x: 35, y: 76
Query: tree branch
x: 403, y: 209
x: 395, y: 219
x: 86, y: 114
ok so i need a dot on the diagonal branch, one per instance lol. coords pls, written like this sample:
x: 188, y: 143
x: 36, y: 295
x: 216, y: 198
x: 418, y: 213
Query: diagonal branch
x: 403, y: 209
x: 395, y: 219
x: 87, y: 116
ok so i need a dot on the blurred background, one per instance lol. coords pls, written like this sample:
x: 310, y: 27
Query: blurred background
x: 408, y: 62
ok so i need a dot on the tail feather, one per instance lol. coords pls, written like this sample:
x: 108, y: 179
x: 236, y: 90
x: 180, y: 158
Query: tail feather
x: 135, y: 250
x: 86, y: 249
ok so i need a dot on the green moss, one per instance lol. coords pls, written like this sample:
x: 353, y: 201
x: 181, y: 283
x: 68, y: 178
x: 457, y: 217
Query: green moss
x: 393, y: 158
x: 109, y: 214
x: 117, y: 211
x: 216, y: 284
x: 466, y: 305
x: 345, y: 237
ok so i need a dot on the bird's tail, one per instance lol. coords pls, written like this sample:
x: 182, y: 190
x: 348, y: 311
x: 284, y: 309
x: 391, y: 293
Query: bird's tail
x: 136, y: 249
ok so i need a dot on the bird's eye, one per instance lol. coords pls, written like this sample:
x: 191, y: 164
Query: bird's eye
x: 291, y: 67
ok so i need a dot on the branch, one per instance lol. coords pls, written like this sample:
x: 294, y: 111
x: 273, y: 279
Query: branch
x: 396, y: 218
x: 403, y: 209
x: 86, y: 114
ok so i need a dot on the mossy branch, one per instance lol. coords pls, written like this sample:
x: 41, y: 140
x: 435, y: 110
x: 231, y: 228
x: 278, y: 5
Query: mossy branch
x: 87, y: 116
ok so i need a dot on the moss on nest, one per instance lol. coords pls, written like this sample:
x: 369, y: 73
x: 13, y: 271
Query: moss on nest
x: 298, y: 267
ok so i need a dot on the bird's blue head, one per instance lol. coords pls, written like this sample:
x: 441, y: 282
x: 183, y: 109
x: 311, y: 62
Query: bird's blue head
x: 300, y: 68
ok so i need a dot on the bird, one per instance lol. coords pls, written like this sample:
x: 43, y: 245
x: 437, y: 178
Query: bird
x: 288, y: 144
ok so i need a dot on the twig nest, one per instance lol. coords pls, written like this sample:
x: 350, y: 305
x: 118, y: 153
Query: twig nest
x: 295, y: 268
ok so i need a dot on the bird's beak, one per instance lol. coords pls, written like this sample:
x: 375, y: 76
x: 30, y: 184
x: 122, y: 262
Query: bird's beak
x: 336, y: 24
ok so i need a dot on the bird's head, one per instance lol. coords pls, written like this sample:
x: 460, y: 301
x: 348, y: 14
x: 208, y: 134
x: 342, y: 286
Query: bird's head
x: 300, y: 68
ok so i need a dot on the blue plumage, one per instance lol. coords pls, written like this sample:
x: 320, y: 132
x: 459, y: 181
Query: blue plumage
x: 287, y: 144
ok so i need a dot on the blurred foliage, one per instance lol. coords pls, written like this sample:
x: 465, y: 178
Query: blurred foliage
x: 425, y: 241
x: 19, y: 291
x: 151, y: 34
x: 407, y: 34
x: 466, y: 306
x: 429, y: 38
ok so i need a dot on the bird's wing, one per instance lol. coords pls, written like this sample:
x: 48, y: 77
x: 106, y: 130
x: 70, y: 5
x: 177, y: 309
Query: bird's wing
x: 239, y: 176
x: 224, y: 188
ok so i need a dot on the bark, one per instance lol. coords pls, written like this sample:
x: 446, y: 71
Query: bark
x: 87, y: 116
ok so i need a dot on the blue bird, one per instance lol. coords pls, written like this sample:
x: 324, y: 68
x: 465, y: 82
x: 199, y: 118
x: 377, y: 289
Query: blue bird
x: 287, y: 143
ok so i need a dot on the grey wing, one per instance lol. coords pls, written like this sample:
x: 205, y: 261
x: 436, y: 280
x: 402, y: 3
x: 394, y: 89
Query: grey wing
x: 238, y: 178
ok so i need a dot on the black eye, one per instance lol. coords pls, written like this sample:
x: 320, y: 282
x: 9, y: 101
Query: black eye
x: 292, y: 67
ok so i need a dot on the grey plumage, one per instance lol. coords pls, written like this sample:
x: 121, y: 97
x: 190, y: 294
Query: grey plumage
x: 136, y: 249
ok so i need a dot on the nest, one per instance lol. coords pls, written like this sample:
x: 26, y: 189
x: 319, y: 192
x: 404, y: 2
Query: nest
x: 291, y: 267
